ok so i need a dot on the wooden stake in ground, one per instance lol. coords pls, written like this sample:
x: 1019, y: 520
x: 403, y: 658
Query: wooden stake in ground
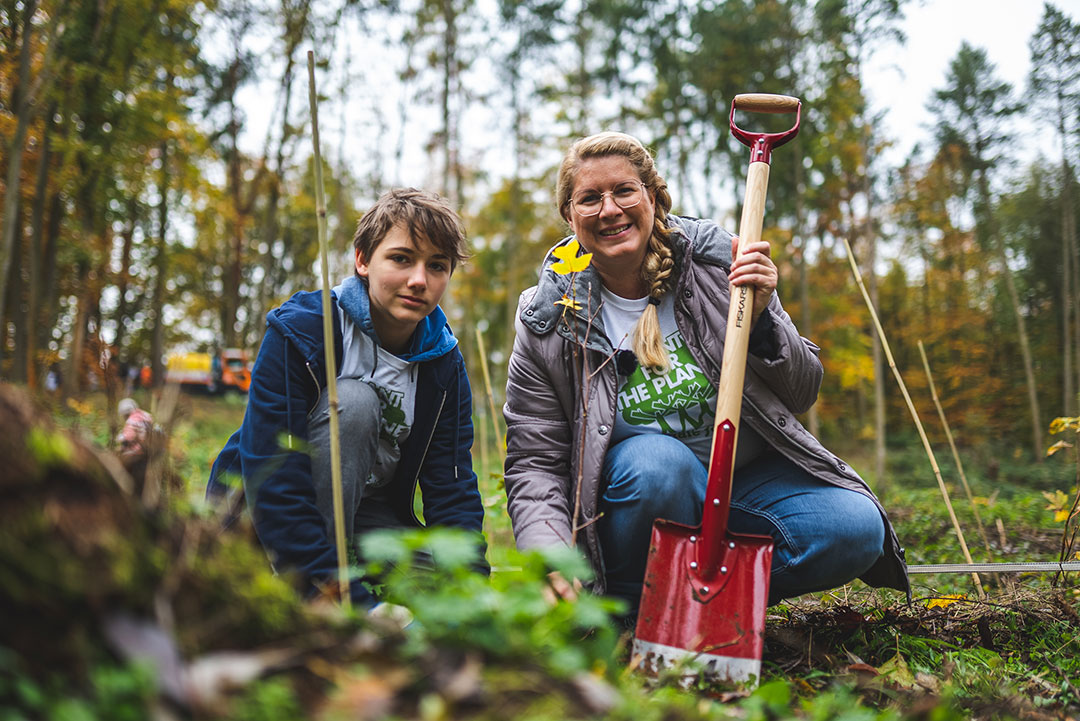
x: 955, y: 455
x: 914, y: 416
x: 499, y: 443
x: 328, y: 342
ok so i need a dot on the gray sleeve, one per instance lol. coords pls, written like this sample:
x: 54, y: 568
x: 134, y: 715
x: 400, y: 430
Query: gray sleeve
x: 538, y: 443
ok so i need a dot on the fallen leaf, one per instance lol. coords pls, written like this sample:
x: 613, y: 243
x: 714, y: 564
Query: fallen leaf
x: 897, y: 671
x: 946, y: 601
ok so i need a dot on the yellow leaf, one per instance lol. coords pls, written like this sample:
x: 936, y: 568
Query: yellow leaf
x: 1063, y: 423
x: 1058, y: 500
x: 1057, y: 447
x: 569, y: 303
x: 569, y: 261
x: 1061, y: 516
x: 945, y: 601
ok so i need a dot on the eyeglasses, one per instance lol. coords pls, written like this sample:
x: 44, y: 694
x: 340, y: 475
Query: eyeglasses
x: 626, y: 195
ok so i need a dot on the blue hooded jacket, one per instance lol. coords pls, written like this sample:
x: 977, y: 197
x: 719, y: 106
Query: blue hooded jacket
x: 286, y: 382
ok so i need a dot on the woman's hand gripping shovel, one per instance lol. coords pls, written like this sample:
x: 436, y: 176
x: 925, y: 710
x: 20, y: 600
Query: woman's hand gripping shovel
x: 706, y: 588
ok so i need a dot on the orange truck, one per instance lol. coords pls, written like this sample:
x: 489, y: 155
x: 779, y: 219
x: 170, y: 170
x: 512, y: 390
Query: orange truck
x: 228, y: 370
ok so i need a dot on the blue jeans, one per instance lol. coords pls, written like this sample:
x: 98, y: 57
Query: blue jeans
x: 824, y: 535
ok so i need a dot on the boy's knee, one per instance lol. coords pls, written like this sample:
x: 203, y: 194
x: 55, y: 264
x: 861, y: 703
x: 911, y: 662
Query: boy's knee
x: 359, y: 408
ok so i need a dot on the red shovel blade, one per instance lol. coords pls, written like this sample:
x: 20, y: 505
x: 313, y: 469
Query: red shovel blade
x: 706, y: 588
x: 710, y: 626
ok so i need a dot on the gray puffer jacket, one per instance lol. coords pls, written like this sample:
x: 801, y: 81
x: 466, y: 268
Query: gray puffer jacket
x: 546, y: 424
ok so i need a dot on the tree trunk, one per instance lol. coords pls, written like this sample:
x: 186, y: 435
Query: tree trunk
x: 1068, y: 389
x: 50, y: 297
x: 161, y: 266
x: 1073, y: 250
x: 879, y: 367
x: 12, y: 187
x: 16, y: 317
x: 37, y: 243
x: 805, y: 314
x: 514, y: 232
x: 449, y: 58
x: 1021, y: 325
x: 233, y: 265
x: 877, y: 356
x: 123, y: 275
x: 74, y: 373
x: 1025, y: 351
x: 580, y: 124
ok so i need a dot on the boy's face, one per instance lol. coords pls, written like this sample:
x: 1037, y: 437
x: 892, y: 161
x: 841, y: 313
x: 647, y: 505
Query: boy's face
x: 406, y: 279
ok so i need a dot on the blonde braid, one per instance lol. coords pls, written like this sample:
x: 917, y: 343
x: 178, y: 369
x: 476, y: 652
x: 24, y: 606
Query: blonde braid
x: 648, y: 342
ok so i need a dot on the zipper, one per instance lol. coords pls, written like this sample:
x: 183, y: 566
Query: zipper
x: 318, y: 395
x: 416, y: 480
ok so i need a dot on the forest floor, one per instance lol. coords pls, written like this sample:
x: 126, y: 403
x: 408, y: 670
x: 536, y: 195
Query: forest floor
x: 123, y: 600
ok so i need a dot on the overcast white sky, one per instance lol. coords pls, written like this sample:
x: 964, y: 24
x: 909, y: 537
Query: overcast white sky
x: 902, y: 78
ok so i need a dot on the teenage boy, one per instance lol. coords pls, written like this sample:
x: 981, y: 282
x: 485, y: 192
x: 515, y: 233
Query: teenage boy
x: 405, y: 406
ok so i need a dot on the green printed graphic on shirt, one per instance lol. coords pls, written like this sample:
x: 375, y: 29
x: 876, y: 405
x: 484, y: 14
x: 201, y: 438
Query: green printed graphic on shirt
x: 393, y: 413
x: 681, y: 402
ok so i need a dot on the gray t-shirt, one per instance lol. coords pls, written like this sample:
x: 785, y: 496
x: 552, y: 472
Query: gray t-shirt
x: 394, y: 380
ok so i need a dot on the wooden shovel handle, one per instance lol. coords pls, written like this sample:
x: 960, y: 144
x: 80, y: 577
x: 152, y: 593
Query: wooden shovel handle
x: 766, y: 103
x: 741, y: 310
x: 732, y: 374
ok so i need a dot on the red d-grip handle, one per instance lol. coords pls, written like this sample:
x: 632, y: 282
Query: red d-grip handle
x: 762, y: 144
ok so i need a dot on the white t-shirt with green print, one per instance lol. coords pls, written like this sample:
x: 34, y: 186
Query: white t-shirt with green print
x: 680, y: 403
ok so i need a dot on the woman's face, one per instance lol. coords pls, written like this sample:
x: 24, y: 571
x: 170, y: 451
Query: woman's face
x: 617, y: 237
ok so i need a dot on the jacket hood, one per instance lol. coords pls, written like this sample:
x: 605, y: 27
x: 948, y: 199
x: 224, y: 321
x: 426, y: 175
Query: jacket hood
x: 299, y: 319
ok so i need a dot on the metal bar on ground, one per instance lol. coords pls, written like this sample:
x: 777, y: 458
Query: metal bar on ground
x: 1001, y: 567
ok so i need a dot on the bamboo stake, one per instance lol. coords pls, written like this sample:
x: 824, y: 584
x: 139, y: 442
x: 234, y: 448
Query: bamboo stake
x: 914, y: 416
x: 499, y: 442
x: 955, y: 455
x: 328, y: 343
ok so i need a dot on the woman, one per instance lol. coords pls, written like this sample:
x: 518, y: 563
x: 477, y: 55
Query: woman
x: 657, y: 291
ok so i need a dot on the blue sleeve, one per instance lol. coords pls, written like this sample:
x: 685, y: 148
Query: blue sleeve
x: 447, y: 481
x: 277, y: 479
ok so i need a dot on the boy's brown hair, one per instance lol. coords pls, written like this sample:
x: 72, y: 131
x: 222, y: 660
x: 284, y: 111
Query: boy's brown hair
x: 423, y: 213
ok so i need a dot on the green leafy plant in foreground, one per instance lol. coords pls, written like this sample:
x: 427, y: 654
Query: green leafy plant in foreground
x: 113, y: 693
x: 432, y: 572
x: 517, y: 626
